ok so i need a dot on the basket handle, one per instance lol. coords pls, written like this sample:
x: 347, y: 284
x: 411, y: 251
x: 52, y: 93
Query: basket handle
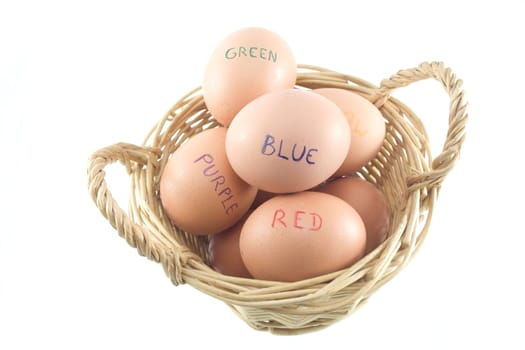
x: 130, y: 156
x: 444, y: 162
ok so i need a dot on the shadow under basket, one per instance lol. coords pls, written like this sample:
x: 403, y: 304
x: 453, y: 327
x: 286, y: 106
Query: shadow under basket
x: 404, y: 170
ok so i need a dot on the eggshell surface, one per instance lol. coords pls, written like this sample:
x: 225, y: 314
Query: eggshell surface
x: 366, y: 123
x: 199, y: 190
x: 246, y: 64
x: 368, y: 201
x: 288, y: 141
x: 224, y: 253
x: 301, y: 235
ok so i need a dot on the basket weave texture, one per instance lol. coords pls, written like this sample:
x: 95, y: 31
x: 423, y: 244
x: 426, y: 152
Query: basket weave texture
x: 404, y: 170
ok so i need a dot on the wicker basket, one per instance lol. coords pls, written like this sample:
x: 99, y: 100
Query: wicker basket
x: 404, y: 170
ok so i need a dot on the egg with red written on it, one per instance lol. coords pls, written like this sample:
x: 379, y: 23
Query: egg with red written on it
x: 301, y: 235
x: 368, y: 201
x: 288, y: 141
x: 246, y: 64
x: 199, y: 190
x: 367, y: 127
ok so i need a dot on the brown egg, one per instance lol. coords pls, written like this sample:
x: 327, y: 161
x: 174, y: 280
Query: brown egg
x: 199, y: 190
x: 288, y: 141
x: 368, y: 201
x: 246, y: 64
x: 301, y: 235
x: 224, y: 253
x: 367, y: 127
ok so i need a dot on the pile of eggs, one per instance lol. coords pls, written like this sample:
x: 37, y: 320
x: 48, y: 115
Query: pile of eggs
x: 274, y: 187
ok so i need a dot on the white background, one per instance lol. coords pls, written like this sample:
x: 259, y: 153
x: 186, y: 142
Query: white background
x: 77, y: 76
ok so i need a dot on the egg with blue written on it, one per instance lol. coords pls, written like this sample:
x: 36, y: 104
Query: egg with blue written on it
x: 288, y: 141
x: 246, y: 64
x: 199, y: 190
x: 301, y: 235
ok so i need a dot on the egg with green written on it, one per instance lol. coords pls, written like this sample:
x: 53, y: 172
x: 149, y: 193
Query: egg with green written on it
x: 246, y: 64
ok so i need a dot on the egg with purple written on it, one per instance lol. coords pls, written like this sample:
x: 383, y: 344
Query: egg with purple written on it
x: 246, y: 64
x: 199, y: 190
